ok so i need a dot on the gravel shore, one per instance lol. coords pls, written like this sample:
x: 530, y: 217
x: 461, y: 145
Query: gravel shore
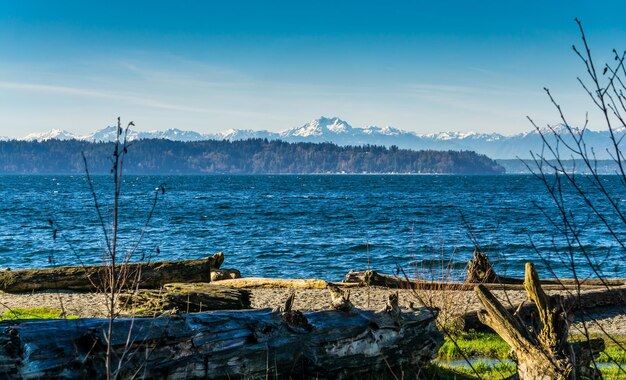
x: 610, y: 319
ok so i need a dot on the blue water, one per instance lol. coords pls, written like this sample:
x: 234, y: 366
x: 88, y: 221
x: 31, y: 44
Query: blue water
x: 306, y: 226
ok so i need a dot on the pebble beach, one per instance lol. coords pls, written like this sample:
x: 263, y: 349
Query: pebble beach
x: 611, y: 320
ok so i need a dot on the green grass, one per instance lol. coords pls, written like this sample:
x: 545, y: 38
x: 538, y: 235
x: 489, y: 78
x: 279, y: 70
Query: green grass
x: 612, y: 373
x: 34, y: 313
x: 497, y: 371
x: 488, y: 345
x: 614, y: 349
x: 486, y: 371
x: 474, y: 345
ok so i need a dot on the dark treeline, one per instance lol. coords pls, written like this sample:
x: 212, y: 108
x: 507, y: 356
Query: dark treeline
x: 255, y: 156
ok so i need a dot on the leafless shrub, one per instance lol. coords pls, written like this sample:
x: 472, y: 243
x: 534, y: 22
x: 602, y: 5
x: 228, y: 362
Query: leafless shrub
x: 117, y: 278
x: 579, y: 201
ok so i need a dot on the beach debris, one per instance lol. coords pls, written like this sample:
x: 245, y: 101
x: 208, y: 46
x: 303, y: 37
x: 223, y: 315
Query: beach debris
x: 216, y: 260
x: 370, y: 278
x: 541, y: 348
x: 224, y: 274
x: 392, y: 307
x: 340, y: 299
x: 480, y: 270
x: 294, y: 319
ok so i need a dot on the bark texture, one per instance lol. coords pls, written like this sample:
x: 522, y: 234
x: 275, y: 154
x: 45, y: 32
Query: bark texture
x: 542, y: 350
x: 260, y: 282
x: 183, y: 298
x: 221, y: 345
x: 480, y: 270
x: 588, y: 300
x: 149, y: 275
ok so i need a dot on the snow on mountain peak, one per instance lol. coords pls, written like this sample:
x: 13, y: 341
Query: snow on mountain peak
x: 320, y: 127
x: 387, y: 131
x: 450, y: 135
x: 57, y: 134
x: 333, y: 129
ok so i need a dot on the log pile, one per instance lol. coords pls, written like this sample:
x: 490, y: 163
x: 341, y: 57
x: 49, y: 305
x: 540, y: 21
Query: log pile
x: 226, y: 344
x: 541, y: 349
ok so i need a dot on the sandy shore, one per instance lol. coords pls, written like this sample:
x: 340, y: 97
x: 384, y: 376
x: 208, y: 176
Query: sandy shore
x: 612, y: 320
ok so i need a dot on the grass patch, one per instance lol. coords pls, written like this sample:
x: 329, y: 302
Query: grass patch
x: 612, y: 352
x: 34, y: 313
x: 485, y: 370
x: 488, y: 345
x: 612, y: 373
x: 496, y: 371
x: 474, y: 345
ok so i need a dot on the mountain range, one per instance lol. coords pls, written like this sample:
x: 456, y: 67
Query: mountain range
x: 337, y: 131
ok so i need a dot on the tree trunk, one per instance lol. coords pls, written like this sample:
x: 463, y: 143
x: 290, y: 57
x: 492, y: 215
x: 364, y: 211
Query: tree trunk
x: 542, y: 350
x: 150, y: 275
x: 222, y: 345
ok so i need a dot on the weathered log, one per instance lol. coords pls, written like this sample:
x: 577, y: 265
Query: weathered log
x: 151, y: 275
x: 221, y: 345
x: 258, y: 282
x: 373, y: 278
x: 184, y: 298
x: 542, y: 350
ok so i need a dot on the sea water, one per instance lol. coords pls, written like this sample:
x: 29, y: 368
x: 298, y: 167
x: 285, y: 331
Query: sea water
x: 313, y: 225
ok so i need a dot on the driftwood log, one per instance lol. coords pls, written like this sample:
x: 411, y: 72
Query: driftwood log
x: 221, y: 345
x: 542, y: 349
x: 373, y: 278
x: 183, y: 298
x: 152, y: 275
x: 262, y: 282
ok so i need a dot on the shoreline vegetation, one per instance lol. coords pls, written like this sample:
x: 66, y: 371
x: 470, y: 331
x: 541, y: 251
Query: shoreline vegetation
x: 254, y: 156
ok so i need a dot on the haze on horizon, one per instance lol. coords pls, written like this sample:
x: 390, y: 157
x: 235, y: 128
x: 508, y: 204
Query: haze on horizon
x: 208, y: 66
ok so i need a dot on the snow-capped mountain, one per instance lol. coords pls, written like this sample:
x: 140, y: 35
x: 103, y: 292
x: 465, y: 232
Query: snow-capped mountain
x: 56, y: 134
x: 244, y: 134
x: 174, y: 134
x: 333, y: 129
x: 322, y: 127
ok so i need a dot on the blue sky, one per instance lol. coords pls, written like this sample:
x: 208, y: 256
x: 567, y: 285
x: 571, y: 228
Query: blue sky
x: 210, y: 66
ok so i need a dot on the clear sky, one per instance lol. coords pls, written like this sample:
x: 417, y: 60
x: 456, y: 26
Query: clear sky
x: 213, y: 65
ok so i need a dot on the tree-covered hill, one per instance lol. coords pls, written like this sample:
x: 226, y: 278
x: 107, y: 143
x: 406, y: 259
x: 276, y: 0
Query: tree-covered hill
x: 255, y: 156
